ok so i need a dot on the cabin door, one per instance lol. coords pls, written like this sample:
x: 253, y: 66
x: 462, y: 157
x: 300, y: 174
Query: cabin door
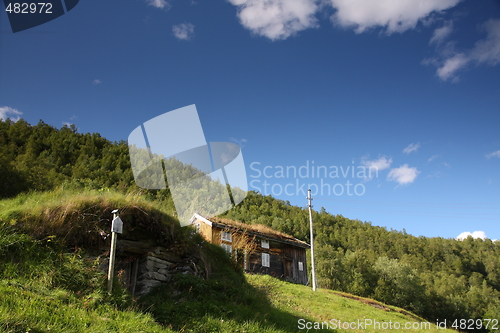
x: 289, y: 270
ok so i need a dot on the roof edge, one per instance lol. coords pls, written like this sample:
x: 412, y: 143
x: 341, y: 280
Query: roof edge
x: 293, y: 241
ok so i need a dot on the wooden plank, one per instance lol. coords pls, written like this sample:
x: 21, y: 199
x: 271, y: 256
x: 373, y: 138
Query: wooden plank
x: 135, y: 270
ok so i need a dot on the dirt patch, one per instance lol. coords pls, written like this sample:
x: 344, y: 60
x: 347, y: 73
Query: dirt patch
x: 370, y: 302
x: 377, y: 305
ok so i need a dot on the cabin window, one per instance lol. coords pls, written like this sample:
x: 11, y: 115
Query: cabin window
x: 265, y: 260
x: 226, y: 236
x: 264, y: 243
x: 301, y: 266
x: 228, y: 248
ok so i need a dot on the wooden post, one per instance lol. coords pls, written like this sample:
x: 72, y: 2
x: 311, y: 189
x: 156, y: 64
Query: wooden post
x: 111, y: 270
x: 116, y: 227
x: 313, y: 270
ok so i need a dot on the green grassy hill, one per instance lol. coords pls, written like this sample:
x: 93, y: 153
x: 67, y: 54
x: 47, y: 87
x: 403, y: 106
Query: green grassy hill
x: 435, y: 278
x: 48, y: 282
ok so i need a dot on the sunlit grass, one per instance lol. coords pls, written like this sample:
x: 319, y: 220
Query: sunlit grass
x: 34, y: 308
x: 325, y: 305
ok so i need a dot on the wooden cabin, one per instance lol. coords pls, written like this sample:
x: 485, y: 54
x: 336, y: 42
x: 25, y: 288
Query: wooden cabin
x: 257, y: 248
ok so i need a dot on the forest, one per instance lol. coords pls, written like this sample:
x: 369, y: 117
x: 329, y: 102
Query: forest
x: 436, y: 278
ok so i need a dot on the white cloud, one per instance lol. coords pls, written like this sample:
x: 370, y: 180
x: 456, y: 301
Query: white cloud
x: 475, y: 235
x: 488, y: 50
x: 276, y: 19
x: 96, y: 82
x: 158, y: 3
x: 432, y: 158
x: 403, y: 175
x: 411, y: 148
x: 241, y: 142
x: 440, y: 34
x: 494, y: 154
x: 280, y: 19
x: 379, y: 164
x: 5, y: 111
x: 484, y: 52
x: 393, y: 15
x: 451, y: 66
x: 183, y: 31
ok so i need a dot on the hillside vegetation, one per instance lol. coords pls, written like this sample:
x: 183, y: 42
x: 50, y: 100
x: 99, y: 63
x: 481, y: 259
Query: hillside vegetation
x: 435, y: 278
x: 49, y: 283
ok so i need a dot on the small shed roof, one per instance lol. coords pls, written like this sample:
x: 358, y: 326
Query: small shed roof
x: 258, y: 230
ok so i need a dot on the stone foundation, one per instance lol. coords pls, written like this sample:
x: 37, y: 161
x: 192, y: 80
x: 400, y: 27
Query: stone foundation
x: 141, y: 272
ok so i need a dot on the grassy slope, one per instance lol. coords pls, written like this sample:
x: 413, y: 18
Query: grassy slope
x: 33, y: 308
x: 325, y: 305
x: 45, y: 287
x: 36, y: 308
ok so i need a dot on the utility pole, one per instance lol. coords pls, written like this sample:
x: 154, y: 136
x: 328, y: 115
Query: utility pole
x: 116, y: 227
x: 313, y: 270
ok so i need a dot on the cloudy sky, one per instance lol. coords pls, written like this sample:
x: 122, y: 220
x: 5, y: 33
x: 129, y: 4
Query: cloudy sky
x: 388, y: 110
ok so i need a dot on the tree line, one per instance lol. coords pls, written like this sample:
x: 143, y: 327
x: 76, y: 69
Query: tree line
x: 42, y: 157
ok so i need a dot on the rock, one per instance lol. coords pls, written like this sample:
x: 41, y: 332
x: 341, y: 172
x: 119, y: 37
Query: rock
x: 160, y: 277
x: 153, y: 264
x: 148, y: 284
x: 153, y: 276
x: 156, y: 260
x: 146, y: 269
x: 145, y: 276
x: 159, y: 261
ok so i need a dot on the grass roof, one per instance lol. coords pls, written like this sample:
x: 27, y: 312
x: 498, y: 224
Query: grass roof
x: 84, y: 218
x: 258, y: 229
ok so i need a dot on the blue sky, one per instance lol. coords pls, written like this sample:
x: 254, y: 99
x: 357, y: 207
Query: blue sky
x: 411, y: 87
